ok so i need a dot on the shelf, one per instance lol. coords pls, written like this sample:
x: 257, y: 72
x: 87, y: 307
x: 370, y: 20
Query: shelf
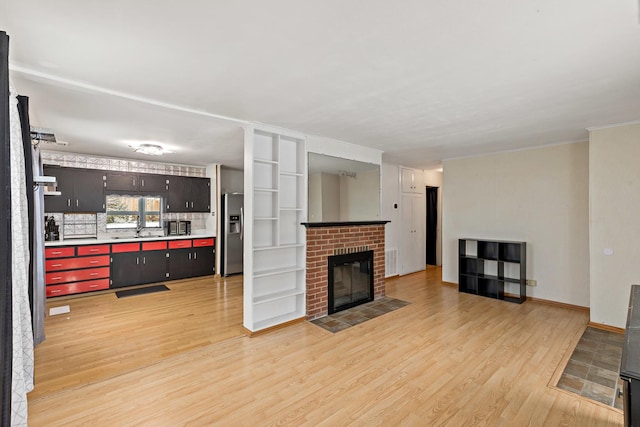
x: 276, y: 271
x: 270, y: 248
x: 266, y: 161
x: 276, y: 296
x: 291, y: 209
x: 291, y: 174
x: 283, y: 318
x: 44, y: 180
x: 266, y: 190
x: 265, y: 219
x: 496, y: 264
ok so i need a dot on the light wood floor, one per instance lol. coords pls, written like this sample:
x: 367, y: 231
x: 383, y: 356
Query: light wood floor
x: 445, y: 359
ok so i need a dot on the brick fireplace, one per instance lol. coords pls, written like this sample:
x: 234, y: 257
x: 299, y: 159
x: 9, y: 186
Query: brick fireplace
x: 328, y: 239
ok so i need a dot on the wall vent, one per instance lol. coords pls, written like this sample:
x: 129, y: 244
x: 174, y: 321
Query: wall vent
x: 390, y: 263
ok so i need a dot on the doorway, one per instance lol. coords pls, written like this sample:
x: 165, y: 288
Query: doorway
x: 432, y: 225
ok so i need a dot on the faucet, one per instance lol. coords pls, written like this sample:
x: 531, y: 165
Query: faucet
x: 138, y: 227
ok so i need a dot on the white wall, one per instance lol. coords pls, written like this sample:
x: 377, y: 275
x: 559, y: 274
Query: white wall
x: 212, y: 219
x: 614, y: 193
x: 539, y: 196
x: 231, y: 181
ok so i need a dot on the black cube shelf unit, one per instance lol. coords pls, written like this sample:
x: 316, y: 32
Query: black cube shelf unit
x: 493, y: 268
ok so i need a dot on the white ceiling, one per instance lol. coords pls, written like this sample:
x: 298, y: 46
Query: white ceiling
x: 421, y: 80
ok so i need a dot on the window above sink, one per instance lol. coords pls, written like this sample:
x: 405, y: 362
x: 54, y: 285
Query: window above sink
x: 124, y: 212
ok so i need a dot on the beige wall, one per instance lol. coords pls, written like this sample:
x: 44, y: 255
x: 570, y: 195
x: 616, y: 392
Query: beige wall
x: 539, y: 196
x: 614, y: 198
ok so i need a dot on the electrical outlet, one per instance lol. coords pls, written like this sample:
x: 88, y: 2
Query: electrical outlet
x: 532, y: 283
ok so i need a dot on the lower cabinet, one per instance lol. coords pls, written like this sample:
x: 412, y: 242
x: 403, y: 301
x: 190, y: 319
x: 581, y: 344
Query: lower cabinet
x: 85, y: 268
x: 132, y: 264
x: 71, y: 270
x: 191, y: 259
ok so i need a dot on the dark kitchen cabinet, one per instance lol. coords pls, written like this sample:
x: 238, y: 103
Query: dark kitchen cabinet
x: 131, y: 265
x: 121, y: 181
x: 81, y: 190
x: 179, y: 263
x: 191, y: 258
x: 152, y: 184
x: 148, y: 184
x: 203, y: 263
x: 188, y: 194
x: 125, y: 269
x: 153, y: 267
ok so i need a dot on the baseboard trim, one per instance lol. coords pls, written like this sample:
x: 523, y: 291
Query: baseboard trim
x: 450, y: 284
x: 252, y: 334
x: 606, y: 327
x: 560, y: 304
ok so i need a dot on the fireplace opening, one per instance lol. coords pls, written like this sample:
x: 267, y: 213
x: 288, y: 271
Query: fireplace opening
x: 350, y: 280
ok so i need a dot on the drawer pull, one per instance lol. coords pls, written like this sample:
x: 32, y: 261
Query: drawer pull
x: 93, y: 286
x: 56, y: 265
x: 56, y: 291
x: 93, y: 250
x: 93, y: 262
x: 56, y: 253
x: 56, y: 278
x: 93, y: 274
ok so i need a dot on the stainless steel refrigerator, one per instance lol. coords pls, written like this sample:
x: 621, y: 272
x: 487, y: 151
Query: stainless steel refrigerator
x: 232, y: 233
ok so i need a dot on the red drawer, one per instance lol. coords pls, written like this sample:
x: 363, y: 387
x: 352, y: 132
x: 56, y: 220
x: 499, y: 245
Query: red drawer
x: 177, y: 244
x: 60, y: 252
x: 73, y: 263
x: 93, y: 250
x: 202, y: 242
x: 125, y: 247
x: 154, y: 246
x: 76, y: 288
x: 76, y: 275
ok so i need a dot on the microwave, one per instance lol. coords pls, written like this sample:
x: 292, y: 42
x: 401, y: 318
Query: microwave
x: 177, y: 228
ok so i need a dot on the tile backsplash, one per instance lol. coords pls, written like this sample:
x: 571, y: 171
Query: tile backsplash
x: 106, y: 163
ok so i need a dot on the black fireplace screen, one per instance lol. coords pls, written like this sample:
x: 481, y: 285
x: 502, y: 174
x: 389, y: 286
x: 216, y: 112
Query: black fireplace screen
x: 350, y: 280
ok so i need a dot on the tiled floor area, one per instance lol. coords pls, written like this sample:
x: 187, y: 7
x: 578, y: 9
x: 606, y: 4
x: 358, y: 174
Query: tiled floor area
x: 593, y: 369
x: 344, y: 319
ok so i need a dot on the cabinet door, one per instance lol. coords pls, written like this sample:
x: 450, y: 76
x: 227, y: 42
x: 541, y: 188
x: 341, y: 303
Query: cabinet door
x: 200, y: 194
x: 177, y: 196
x: 154, y: 266
x: 125, y: 269
x: 64, y: 180
x: 411, y: 180
x: 121, y: 181
x: 88, y: 190
x: 412, y: 219
x: 152, y: 184
x: 202, y: 262
x: 179, y: 263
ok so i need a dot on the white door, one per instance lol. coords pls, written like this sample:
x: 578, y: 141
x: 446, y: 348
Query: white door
x: 412, y: 233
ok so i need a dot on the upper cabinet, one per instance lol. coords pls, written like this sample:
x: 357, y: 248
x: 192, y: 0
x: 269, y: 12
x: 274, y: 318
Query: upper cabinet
x: 81, y: 190
x: 411, y: 180
x: 139, y: 183
x: 188, y: 194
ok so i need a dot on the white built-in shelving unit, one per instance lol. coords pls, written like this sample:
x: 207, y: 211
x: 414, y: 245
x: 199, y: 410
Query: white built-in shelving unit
x: 275, y: 207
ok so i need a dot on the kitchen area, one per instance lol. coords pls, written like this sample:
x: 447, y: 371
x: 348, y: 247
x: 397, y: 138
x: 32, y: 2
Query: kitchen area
x: 115, y: 223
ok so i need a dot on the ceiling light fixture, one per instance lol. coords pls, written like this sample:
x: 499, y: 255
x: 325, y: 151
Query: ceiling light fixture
x: 149, y: 149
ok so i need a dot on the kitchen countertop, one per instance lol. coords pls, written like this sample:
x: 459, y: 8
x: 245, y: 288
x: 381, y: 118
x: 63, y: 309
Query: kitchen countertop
x: 103, y: 240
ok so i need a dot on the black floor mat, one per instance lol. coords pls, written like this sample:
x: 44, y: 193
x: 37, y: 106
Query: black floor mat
x: 141, y: 291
